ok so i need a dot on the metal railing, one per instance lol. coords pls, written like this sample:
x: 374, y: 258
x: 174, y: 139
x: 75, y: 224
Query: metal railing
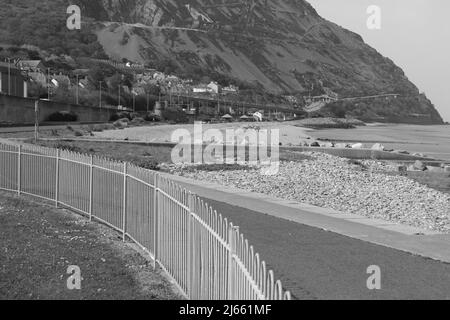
x: 205, y: 254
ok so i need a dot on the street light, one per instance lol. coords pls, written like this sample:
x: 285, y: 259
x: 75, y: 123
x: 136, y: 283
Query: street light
x: 9, y: 76
x: 100, y: 104
x: 119, y: 94
x: 48, y: 83
x: 77, y: 90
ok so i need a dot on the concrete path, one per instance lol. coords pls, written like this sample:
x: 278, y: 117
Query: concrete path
x: 322, y: 254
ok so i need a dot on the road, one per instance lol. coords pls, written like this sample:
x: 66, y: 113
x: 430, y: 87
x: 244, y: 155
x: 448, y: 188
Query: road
x: 317, y: 264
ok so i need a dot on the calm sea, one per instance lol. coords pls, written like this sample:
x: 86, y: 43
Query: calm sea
x: 431, y: 140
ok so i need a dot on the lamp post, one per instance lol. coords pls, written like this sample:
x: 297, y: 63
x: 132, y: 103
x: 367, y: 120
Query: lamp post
x: 100, y: 103
x: 77, y: 90
x: 9, y: 76
x: 48, y: 83
x: 119, y: 95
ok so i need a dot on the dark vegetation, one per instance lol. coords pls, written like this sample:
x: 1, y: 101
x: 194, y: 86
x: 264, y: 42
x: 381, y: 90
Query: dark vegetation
x: 62, y: 116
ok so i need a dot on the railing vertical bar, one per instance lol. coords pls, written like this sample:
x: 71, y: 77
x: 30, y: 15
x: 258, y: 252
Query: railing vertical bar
x: 124, y: 212
x: 189, y: 244
x: 19, y: 169
x: 91, y: 187
x: 57, y: 178
x: 155, y: 220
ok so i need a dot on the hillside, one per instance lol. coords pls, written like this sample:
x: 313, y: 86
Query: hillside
x: 282, y: 46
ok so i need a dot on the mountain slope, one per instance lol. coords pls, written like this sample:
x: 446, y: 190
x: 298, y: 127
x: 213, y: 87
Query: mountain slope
x: 282, y: 46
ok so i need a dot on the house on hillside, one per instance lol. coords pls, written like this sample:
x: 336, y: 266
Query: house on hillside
x: 12, y: 81
x: 32, y: 66
x: 201, y: 88
x: 231, y: 89
x: 35, y: 70
x: 214, y: 87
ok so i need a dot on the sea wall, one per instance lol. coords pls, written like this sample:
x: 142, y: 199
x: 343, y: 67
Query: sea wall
x: 20, y: 111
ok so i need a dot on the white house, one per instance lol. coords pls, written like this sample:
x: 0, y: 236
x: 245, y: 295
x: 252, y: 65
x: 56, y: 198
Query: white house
x: 202, y: 88
x: 214, y: 87
x: 230, y: 89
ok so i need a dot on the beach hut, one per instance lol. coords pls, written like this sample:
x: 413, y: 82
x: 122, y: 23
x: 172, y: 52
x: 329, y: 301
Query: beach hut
x: 245, y: 118
x: 227, y: 117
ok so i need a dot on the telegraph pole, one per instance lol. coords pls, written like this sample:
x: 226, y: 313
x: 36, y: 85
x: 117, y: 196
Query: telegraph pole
x: 9, y: 76
x: 119, y: 94
x: 36, y: 120
x: 77, y: 90
x: 100, y: 104
x: 48, y: 83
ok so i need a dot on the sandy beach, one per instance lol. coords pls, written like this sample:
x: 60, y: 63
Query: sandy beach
x: 289, y: 133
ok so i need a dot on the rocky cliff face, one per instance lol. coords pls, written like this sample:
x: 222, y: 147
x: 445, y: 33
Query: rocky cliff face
x: 281, y: 45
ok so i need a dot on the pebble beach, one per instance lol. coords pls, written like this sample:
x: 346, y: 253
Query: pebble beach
x: 364, y: 188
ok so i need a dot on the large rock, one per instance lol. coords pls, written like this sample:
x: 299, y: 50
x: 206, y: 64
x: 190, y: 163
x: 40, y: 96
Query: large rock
x: 342, y: 145
x: 378, y: 147
x: 357, y: 146
x: 401, y: 151
x: 327, y: 145
x: 418, y: 165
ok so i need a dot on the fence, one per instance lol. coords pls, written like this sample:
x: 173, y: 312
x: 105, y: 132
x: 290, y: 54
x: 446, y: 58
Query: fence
x: 207, y: 257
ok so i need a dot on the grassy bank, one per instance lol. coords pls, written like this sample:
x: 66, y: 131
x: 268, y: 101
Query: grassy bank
x: 38, y: 243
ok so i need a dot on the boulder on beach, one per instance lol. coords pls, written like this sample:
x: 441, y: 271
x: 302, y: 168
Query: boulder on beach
x: 378, y: 147
x: 357, y: 146
x: 327, y: 145
x: 314, y: 144
x: 342, y: 146
x: 418, y: 165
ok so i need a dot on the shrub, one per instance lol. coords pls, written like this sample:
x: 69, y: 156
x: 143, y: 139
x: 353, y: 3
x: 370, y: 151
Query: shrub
x: 174, y: 116
x: 101, y: 127
x: 152, y: 117
x: 62, y: 116
x: 147, y: 164
x: 120, y: 124
x: 120, y: 115
x: 137, y: 121
x: 68, y: 147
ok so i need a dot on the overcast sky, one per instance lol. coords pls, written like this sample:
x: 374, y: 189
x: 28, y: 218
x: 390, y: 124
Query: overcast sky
x: 415, y: 34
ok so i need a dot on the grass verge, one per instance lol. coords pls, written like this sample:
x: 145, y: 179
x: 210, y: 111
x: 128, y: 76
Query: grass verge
x: 38, y: 243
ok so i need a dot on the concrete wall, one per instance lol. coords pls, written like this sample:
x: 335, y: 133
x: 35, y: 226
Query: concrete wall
x: 16, y: 110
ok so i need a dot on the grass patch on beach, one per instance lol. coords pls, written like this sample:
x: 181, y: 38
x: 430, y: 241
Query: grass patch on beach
x: 149, y: 157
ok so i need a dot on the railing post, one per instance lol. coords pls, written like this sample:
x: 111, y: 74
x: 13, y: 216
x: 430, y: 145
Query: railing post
x: 91, y: 187
x: 124, y: 214
x: 57, y: 178
x: 155, y: 221
x: 231, y: 254
x: 19, y: 176
x: 190, y: 259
